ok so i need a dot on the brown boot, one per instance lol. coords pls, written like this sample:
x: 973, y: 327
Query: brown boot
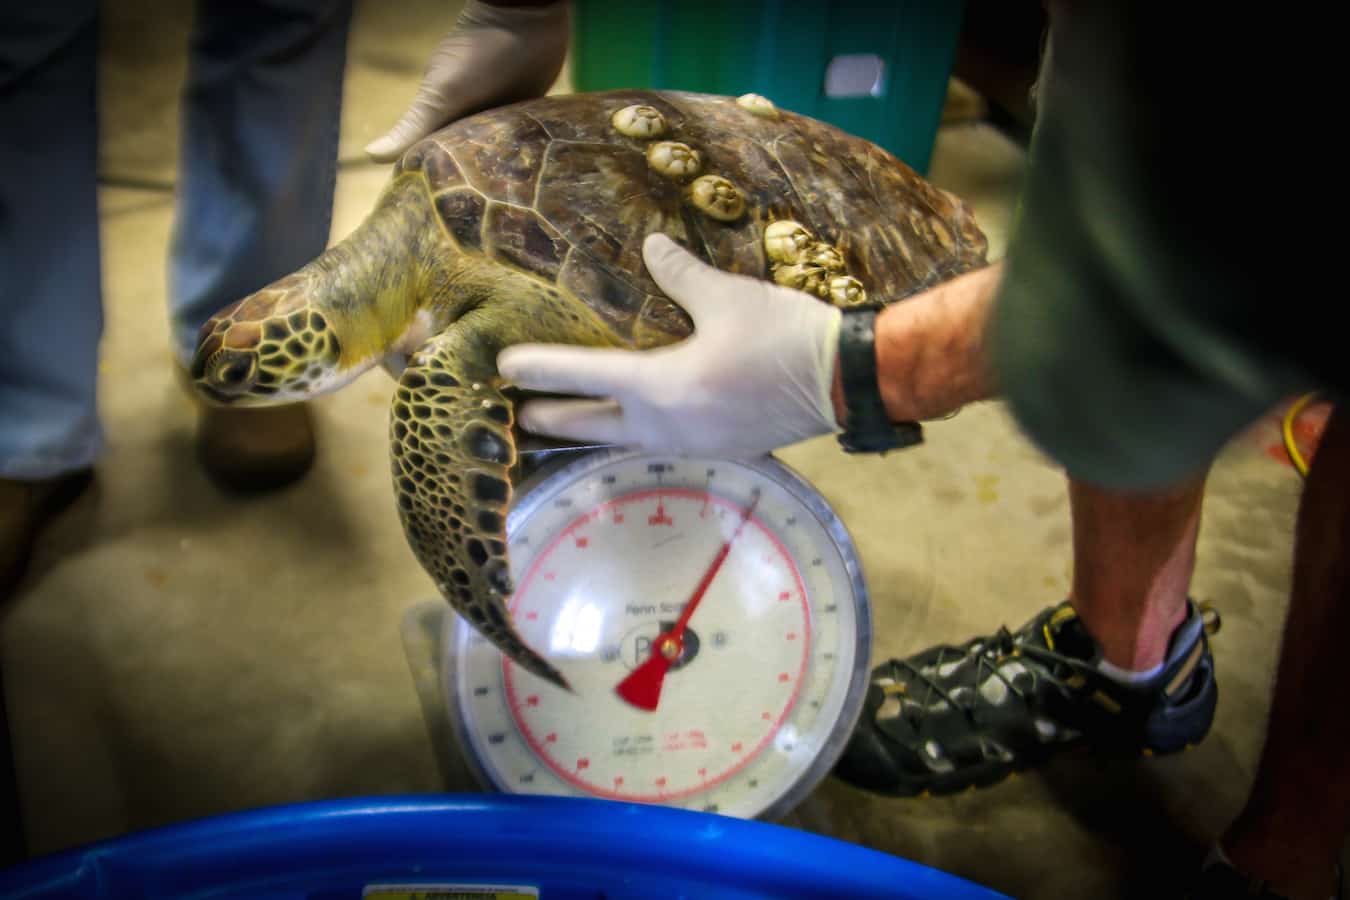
x: 25, y: 509
x: 248, y: 450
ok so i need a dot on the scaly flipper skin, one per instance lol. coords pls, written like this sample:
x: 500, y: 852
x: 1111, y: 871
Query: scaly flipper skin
x: 453, y: 450
x: 452, y: 455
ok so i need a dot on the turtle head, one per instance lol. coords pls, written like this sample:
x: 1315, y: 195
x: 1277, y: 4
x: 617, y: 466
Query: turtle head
x: 360, y: 303
x: 270, y: 348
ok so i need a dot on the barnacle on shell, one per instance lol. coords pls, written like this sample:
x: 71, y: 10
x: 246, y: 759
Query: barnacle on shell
x: 757, y: 105
x: 717, y: 197
x: 803, y: 277
x: 639, y: 121
x: 845, y: 290
x: 825, y: 256
x: 785, y: 241
x: 673, y: 159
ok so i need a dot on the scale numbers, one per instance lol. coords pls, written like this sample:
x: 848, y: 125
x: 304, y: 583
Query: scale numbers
x: 606, y: 551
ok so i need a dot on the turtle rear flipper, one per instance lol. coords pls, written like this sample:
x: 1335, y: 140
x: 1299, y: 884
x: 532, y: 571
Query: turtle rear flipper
x: 452, y: 453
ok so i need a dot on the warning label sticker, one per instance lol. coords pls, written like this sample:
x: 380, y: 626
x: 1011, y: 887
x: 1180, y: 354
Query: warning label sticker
x: 449, y: 892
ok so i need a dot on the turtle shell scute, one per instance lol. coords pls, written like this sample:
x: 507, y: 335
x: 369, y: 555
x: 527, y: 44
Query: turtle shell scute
x: 551, y: 188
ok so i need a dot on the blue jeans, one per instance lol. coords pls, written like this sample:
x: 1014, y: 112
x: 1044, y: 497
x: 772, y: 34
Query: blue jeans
x: 261, y: 113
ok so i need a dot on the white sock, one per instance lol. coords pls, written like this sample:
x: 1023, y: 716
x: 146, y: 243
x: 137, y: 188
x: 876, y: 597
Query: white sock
x: 1128, y: 676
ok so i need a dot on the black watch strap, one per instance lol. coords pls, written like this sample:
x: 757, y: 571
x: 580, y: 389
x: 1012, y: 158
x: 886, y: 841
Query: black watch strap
x: 868, y: 429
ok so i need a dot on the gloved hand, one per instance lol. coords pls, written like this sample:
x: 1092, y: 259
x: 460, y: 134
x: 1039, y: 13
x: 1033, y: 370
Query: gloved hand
x: 755, y: 375
x: 493, y: 55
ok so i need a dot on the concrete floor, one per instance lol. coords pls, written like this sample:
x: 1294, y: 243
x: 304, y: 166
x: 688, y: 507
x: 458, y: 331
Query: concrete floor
x: 179, y: 653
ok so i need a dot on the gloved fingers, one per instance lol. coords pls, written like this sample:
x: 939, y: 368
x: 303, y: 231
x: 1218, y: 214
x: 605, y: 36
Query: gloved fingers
x: 565, y: 369
x: 698, y: 287
x: 427, y: 113
x: 600, y: 421
x: 493, y: 55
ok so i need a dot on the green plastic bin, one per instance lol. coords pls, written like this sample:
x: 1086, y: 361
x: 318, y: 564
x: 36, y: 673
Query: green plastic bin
x: 784, y: 50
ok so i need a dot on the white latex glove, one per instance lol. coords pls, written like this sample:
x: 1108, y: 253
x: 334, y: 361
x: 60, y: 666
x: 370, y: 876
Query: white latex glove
x: 493, y: 55
x: 755, y: 375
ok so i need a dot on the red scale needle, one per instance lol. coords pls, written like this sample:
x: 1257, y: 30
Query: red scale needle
x: 642, y: 687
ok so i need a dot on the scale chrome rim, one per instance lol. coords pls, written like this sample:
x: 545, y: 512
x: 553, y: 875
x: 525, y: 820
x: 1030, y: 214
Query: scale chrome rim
x: 565, y: 468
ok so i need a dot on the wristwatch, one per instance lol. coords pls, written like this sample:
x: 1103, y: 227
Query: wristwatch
x: 868, y: 429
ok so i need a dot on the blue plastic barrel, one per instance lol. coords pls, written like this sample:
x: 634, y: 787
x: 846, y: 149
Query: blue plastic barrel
x: 451, y: 846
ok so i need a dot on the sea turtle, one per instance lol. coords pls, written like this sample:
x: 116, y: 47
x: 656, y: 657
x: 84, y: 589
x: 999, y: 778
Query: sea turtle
x: 525, y: 223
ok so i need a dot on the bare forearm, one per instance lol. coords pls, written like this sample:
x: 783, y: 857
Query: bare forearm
x: 931, y: 352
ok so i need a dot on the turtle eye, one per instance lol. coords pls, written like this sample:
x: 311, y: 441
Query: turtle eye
x: 235, y: 372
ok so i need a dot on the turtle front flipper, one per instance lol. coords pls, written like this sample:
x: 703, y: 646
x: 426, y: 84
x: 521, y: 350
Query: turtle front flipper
x: 452, y: 455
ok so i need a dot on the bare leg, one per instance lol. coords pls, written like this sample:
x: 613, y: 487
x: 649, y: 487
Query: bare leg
x: 1133, y: 558
x: 1134, y: 553
x: 1298, y: 812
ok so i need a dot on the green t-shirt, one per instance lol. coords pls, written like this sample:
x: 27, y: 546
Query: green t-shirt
x: 1145, y: 316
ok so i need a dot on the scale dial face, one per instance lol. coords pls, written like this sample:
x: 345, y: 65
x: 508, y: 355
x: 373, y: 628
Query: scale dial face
x: 606, y: 552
